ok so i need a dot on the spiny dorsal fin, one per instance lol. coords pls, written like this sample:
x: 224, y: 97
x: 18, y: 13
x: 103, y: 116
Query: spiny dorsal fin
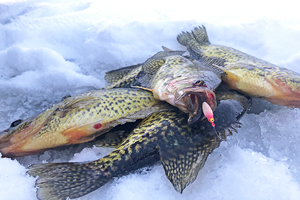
x: 151, y: 66
x: 165, y: 53
x: 114, y: 76
x: 76, y: 101
x: 127, y: 80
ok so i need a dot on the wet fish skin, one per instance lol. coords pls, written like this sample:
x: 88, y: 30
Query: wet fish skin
x: 122, y: 78
x: 78, y: 119
x: 245, y: 73
x: 126, y: 76
x: 165, y: 136
x: 171, y: 77
x: 176, y: 82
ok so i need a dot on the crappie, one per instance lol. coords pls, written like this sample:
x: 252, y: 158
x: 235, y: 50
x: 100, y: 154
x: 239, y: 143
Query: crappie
x: 244, y: 73
x: 165, y: 136
x: 78, y: 119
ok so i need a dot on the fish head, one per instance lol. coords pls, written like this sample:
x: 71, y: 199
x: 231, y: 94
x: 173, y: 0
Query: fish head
x: 189, y: 92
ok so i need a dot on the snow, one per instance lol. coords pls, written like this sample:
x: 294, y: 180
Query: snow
x: 49, y: 49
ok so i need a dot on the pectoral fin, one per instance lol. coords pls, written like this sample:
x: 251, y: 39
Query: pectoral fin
x: 143, y: 88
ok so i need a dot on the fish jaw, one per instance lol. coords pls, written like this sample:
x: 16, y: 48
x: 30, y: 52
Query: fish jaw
x: 189, y: 100
x: 185, y: 93
x: 28, y: 140
x: 12, y: 142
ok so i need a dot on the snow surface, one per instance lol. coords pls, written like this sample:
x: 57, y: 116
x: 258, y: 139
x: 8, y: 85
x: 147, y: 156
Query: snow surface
x: 49, y: 49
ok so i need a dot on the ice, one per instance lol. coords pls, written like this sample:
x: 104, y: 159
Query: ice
x: 50, y: 49
x: 14, y: 183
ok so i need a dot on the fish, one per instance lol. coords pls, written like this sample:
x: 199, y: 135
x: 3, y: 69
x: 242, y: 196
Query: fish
x: 174, y: 79
x: 125, y: 76
x: 163, y: 136
x: 78, y: 119
x: 243, y: 72
x: 185, y: 85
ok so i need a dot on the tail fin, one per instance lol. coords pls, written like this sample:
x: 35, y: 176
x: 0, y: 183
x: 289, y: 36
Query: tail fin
x: 67, y: 180
x: 184, y: 38
x: 199, y: 35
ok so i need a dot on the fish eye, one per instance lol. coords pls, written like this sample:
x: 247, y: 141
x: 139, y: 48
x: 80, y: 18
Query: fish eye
x: 16, y: 123
x: 199, y: 83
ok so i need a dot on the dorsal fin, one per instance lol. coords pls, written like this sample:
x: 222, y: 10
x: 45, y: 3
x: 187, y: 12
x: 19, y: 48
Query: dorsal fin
x: 126, y: 80
x: 151, y: 66
x: 74, y: 102
x: 114, y: 76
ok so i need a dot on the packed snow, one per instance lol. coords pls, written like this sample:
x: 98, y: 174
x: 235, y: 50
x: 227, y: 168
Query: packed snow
x: 50, y: 49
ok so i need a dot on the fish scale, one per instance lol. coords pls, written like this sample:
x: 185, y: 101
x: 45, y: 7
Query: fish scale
x: 164, y: 136
x: 126, y: 76
x: 78, y: 119
x: 243, y: 72
x: 172, y: 78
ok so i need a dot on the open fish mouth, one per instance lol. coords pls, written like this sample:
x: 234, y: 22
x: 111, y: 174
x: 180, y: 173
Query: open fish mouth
x: 190, y: 101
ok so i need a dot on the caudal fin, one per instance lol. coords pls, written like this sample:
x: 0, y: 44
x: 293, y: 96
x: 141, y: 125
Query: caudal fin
x: 66, y: 180
x: 198, y: 35
x: 184, y: 38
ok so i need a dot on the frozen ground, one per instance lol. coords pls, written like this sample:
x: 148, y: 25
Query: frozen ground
x: 49, y: 49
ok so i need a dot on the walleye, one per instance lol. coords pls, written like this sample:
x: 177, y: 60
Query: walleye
x: 176, y: 80
x: 244, y: 73
x: 185, y: 85
x: 78, y: 119
x: 165, y: 136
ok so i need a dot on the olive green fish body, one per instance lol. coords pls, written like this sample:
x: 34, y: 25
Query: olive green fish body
x: 125, y: 77
x: 164, y: 136
x: 78, y: 119
x: 245, y: 73
x: 172, y: 78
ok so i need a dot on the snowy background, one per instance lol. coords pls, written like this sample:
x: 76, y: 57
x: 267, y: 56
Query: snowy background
x: 49, y: 49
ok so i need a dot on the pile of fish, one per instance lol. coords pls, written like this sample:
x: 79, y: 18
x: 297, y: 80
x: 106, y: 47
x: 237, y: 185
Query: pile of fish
x: 183, y: 106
